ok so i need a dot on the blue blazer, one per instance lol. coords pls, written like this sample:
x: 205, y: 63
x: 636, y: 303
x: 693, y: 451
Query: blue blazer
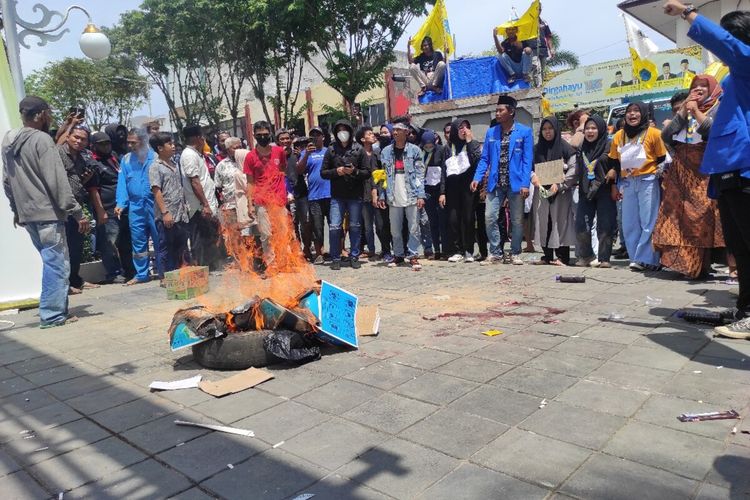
x: 521, y: 157
x: 728, y: 147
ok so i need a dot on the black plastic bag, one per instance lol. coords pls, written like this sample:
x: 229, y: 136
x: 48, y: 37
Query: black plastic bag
x: 292, y: 347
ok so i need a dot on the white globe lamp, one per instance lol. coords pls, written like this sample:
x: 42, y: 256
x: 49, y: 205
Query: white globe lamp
x: 94, y: 44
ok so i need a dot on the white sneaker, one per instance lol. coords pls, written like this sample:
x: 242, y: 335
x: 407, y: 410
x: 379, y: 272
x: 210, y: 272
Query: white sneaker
x: 594, y: 263
x: 634, y: 266
x: 469, y: 258
x: 456, y: 258
x: 737, y: 330
x: 516, y: 260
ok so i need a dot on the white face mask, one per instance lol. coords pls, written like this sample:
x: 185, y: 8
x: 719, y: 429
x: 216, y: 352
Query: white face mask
x: 343, y: 136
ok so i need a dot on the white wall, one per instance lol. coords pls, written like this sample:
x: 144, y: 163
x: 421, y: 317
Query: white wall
x: 20, y: 264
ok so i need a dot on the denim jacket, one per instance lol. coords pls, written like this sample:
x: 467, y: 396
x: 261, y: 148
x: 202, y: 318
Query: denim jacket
x: 414, y: 170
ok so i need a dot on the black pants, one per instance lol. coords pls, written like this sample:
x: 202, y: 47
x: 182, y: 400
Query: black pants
x: 125, y: 248
x: 460, y: 203
x: 319, y: 209
x: 733, y: 208
x: 205, y: 241
x: 383, y: 229
x: 75, y: 250
x: 482, y: 240
x: 303, y: 223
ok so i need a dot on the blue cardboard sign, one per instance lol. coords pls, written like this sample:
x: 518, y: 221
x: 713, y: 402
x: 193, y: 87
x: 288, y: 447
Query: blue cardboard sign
x: 338, y: 310
x: 184, y: 337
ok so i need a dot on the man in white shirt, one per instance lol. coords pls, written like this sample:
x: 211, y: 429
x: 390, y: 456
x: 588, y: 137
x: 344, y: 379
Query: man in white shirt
x: 200, y: 193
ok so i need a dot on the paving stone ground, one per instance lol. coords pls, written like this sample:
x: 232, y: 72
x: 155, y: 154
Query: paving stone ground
x: 431, y: 408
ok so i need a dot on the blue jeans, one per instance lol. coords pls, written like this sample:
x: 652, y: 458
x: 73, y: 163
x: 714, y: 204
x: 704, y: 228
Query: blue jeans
x: 49, y: 239
x: 495, y: 201
x: 172, y: 252
x: 339, y: 207
x: 599, y: 214
x: 437, y: 217
x: 640, y: 207
x: 513, y: 68
x: 397, y: 215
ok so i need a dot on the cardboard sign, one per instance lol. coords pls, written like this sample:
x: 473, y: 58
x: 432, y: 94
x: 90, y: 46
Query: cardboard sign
x: 368, y: 320
x: 550, y: 172
x: 338, y: 309
x: 184, y: 337
x: 236, y: 383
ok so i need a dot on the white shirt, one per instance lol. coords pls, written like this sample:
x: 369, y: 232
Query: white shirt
x: 192, y: 164
x: 224, y: 180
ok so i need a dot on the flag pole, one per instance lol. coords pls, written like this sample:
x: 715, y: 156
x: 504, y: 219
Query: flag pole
x: 448, y: 68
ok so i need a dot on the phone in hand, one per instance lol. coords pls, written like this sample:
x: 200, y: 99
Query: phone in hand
x: 77, y: 111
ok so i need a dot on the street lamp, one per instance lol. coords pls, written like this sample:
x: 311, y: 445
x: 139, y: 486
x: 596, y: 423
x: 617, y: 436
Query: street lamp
x: 94, y: 44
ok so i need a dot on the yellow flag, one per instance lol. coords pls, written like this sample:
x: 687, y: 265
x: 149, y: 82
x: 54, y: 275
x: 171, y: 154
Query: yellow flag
x: 546, y: 107
x: 643, y: 69
x: 527, y: 24
x: 687, y: 79
x: 718, y: 70
x: 436, y: 27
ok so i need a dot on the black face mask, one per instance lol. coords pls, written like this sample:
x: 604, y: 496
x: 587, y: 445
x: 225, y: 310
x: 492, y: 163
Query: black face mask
x: 263, y: 140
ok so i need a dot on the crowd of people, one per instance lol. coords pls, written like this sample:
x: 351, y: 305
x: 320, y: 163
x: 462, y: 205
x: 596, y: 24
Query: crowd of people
x: 420, y: 193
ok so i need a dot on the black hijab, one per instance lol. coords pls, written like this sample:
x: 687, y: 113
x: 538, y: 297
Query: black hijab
x: 556, y: 149
x: 595, y: 150
x: 633, y: 131
x: 456, y: 140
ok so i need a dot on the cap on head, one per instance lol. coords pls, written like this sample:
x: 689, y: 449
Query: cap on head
x: 316, y: 130
x: 100, y: 137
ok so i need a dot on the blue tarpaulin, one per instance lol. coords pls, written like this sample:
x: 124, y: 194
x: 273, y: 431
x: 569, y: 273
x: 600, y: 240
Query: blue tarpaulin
x: 473, y: 77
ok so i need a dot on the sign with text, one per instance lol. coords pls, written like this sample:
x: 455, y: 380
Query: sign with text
x: 338, y: 312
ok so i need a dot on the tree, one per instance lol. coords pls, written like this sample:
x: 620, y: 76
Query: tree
x: 564, y: 59
x: 110, y: 90
x: 357, y: 41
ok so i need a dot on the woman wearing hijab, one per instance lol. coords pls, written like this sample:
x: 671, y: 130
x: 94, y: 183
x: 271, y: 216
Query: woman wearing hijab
x: 595, y: 200
x: 553, y: 203
x: 433, y: 161
x: 461, y: 159
x: 688, y: 226
x: 385, y: 137
x: 636, y: 152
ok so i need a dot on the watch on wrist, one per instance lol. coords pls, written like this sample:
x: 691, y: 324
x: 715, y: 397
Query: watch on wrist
x: 688, y: 10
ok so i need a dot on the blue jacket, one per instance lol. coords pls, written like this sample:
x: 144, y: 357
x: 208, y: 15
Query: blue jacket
x: 521, y: 157
x: 414, y: 170
x: 133, y: 185
x: 728, y: 147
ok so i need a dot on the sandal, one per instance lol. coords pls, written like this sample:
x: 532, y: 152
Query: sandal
x: 557, y: 262
x: 135, y: 281
x: 74, y: 291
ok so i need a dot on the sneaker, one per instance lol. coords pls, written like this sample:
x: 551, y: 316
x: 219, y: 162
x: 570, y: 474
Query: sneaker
x: 429, y: 255
x: 516, y: 260
x: 336, y: 265
x: 491, y: 260
x: 507, y: 259
x: 584, y: 262
x: 594, y: 263
x: 635, y: 266
x: 69, y: 319
x: 604, y: 265
x: 456, y: 258
x: 737, y: 330
x: 356, y: 264
x: 469, y: 258
x: 415, y: 265
x: 319, y: 260
x: 397, y: 261
x: 388, y: 258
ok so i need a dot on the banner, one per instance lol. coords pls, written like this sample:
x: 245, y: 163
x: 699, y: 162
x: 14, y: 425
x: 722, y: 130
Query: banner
x: 610, y: 83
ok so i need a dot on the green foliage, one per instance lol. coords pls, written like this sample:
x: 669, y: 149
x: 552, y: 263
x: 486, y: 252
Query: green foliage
x: 357, y: 40
x: 565, y: 59
x: 110, y: 90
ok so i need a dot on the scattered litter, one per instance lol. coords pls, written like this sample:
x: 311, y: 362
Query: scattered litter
x: 230, y: 466
x: 304, y: 496
x: 550, y: 321
x: 27, y: 400
x: 179, y: 444
x: 570, y: 279
x: 734, y: 430
x: 27, y: 431
x: 30, y: 436
x: 615, y: 316
x: 700, y: 401
x: 719, y: 367
x: 697, y: 371
x: 653, y: 301
x: 574, y: 336
x: 218, y: 428
x: 41, y: 449
x: 744, y: 432
x: 278, y: 444
x: 60, y: 495
x: 712, y: 415
x: 442, y: 297
x: 236, y: 383
x: 492, y: 333
x: 368, y: 320
x: 543, y: 403
x: 187, y: 383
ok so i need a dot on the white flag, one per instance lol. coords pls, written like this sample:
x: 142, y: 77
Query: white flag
x: 642, y: 44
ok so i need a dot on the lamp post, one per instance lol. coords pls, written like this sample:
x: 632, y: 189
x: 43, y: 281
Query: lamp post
x: 94, y: 44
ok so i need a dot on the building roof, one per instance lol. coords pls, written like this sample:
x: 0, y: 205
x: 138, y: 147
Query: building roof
x: 651, y: 13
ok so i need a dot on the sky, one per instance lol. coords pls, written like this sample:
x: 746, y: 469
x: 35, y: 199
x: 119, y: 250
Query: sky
x: 591, y: 28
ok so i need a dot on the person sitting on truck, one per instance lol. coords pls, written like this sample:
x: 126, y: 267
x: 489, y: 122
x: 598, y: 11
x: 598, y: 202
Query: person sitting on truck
x: 514, y: 55
x: 428, y: 68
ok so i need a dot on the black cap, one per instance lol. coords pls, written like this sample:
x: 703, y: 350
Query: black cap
x: 100, y: 137
x: 31, y: 105
x: 316, y: 129
x: 192, y: 131
x: 507, y: 101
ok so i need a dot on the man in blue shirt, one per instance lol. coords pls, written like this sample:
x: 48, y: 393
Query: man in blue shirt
x: 318, y: 189
x: 507, y: 157
x: 727, y: 157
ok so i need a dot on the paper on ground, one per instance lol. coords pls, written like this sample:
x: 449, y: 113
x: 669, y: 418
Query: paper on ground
x: 368, y: 320
x: 187, y: 383
x: 218, y: 428
x: 236, y: 383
